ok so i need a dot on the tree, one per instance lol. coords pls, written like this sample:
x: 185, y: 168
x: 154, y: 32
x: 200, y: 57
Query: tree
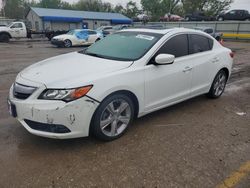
x: 131, y: 10
x: 50, y: 3
x: 154, y: 8
x: 169, y: 5
x: 210, y: 7
x: 119, y: 9
x: 14, y: 9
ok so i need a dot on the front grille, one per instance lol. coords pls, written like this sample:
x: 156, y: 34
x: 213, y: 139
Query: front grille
x: 21, y: 91
x: 52, y: 128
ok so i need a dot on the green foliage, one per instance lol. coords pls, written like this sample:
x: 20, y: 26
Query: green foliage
x: 210, y: 7
x: 17, y: 9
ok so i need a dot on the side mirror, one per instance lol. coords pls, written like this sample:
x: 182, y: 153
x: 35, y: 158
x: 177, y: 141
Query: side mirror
x: 164, y: 59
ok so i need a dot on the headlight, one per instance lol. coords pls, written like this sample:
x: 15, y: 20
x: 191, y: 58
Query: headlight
x: 66, y: 95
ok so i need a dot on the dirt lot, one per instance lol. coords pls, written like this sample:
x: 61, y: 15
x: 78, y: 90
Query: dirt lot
x: 199, y: 143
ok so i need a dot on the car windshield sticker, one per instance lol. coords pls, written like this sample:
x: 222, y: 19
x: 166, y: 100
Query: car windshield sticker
x: 146, y: 37
x: 82, y: 35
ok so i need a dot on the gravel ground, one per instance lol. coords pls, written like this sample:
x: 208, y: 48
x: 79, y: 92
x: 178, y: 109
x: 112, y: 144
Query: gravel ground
x: 197, y: 143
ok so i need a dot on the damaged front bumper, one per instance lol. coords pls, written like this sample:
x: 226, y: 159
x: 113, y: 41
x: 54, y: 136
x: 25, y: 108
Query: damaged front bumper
x: 53, y: 118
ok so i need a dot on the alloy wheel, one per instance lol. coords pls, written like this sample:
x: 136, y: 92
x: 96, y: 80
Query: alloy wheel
x: 115, y: 118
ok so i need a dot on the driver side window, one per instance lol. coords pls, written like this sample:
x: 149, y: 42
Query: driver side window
x: 177, y: 46
x: 17, y: 25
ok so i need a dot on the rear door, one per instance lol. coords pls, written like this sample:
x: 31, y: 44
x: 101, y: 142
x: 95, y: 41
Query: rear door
x: 92, y: 36
x: 203, y: 64
x: 166, y: 84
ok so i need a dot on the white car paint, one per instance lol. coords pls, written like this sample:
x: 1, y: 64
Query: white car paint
x: 79, y: 41
x: 15, y: 30
x: 155, y: 87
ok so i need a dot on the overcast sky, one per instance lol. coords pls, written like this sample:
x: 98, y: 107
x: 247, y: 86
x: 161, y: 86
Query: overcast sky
x: 240, y: 4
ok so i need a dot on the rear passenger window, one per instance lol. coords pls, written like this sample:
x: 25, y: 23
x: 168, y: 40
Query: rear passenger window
x: 199, y: 43
x: 177, y: 46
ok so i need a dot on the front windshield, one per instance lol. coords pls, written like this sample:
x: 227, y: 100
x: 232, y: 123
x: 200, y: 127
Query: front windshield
x: 117, y: 27
x: 124, y: 46
x: 71, y: 32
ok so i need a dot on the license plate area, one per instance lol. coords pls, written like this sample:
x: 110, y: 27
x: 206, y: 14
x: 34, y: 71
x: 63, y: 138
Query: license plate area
x: 12, y: 109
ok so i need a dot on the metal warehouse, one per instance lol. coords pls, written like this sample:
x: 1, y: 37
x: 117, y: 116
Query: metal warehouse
x: 57, y: 19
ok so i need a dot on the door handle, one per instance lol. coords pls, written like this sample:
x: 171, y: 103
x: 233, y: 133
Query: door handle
x: 215, y: 60
x: 187, y: 69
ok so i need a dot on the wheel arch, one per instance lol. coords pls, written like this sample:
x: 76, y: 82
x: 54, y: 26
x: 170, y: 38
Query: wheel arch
x: 4, y: 32
x: 129, y: 94
x: 226, y: 71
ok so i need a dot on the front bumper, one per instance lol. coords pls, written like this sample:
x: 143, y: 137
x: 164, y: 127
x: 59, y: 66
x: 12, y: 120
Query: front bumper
x: 74, y: 116
x: 57, y: 42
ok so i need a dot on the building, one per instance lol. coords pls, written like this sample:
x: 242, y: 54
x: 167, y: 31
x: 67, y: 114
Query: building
x: 58, y: 19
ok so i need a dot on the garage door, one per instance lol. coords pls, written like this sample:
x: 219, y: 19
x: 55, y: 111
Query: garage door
x: 59, y: 26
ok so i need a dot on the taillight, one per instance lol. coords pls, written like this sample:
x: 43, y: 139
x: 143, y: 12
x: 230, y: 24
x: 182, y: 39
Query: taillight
x: 232, y: 54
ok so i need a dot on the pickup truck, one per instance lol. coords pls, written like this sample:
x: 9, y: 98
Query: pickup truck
x: 19, y: 30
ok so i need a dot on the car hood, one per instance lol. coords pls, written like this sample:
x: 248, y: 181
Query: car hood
x: 4, y: 28
x: 64, y: 36
x: 71, y: 70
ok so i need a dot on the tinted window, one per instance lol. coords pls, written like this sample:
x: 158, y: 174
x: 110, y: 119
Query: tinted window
x: 17, y: 25
x: 209, y: 30
x: 124, y: 46
x: 199, y: 43
x: 92, y: 32
x: 177, y: 46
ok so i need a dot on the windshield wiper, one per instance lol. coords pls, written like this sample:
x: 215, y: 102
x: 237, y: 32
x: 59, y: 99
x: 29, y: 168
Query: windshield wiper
x: 94, y: 54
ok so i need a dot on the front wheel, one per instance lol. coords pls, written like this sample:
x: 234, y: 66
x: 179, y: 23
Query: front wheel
x: 4, y: 38
x: 218, y: 85
x: 112, y: 118
x: 67, y: 43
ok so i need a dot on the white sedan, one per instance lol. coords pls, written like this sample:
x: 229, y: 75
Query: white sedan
x: 100, y: 90
x: 77, y: 37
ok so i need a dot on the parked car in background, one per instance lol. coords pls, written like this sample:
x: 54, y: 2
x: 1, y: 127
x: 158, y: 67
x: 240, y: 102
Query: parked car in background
x: 171, y: 18
x: 100, y: 90
x: 20, y: 30
x: 141, y: 18
x: 105, y: 30
x: 117, y: 28
x: 242, y: 15
x: 198, y: 16
x: 210, y: 31
x: 77, y: 37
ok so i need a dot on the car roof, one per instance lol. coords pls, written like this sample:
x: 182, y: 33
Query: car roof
x: 200, y: 27
x: 162, y: 31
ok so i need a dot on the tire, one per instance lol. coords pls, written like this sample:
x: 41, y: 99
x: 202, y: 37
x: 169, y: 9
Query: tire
x: 218, y: 85
x: 220, y: 19
x: 248, y: 19
x: 218, y: 38
x: 108, y: 123
x: 187, y: 19
x: 67, y: 43
x: 4, y: 37
x: 97, y: 40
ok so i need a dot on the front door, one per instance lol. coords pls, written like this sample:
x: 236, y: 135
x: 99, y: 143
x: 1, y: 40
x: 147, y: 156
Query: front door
x: 167, y: 84
x: 17, y: 30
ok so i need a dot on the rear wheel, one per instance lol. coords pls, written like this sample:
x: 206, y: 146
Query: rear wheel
x: 113, y: 117
x: 220, y: 19
x: 218, y: 85
x: 67, y: 43
x: 4, y: 37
